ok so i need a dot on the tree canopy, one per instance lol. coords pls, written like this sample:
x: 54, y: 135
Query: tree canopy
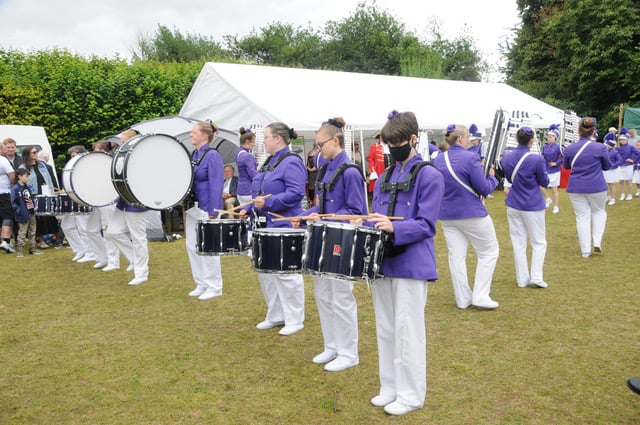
x: 580, y: 55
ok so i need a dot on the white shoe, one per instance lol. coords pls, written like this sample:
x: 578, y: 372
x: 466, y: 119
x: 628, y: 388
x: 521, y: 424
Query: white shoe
x: 611, y: 202
x: 210, y: 293
x: 622, y: 197
x: 266, y: 324
x: 548, y: 202
x: 99, y: 264
x: 325, y: 357
x: 637, y: 193
x: 198, y: 291
x: 290, y: 330
x: 538, y: 284
x: 340, y: 363
x: 555, y: 210
x: 110, y: 268
x: 78, y: 256
x: 382, y: 400
x: 130, y: 268
x: 138, y: 281
x: 489, y: 304
x: 396, y: 408
x: 7, y: 247
x: 85, y: 259
x: 628, y: 198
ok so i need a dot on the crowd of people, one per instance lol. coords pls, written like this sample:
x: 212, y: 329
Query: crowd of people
x: 409, y: 195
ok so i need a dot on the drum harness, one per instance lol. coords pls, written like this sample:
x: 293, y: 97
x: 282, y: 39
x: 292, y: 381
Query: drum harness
x: 266, y: 167
x: 323, y: 188
x: 192, y: 198
x: 391, y: 250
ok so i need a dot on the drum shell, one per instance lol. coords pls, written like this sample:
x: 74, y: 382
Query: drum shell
x: 136, y: 175
x: 277, y: 250
x: 87, y: 181
x: 221, y: 237
x: 343, y: 251
x: 45, y: 204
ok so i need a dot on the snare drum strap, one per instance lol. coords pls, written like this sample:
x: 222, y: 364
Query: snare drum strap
x: 323, y: 188
x: 266, y: 167
x: 404, y: 186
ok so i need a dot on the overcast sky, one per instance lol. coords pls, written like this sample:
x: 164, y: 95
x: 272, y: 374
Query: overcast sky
x: 110, y: 27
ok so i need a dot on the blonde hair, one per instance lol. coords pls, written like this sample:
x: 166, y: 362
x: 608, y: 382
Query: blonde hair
x: 209, y: 128
x: 454, y: 132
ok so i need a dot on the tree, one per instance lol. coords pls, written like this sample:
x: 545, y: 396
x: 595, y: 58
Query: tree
x: 168, y: 46
x: 580, y: 55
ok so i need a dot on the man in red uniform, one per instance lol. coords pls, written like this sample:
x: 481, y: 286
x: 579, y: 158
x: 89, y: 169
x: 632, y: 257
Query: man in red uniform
x: 378, y: 160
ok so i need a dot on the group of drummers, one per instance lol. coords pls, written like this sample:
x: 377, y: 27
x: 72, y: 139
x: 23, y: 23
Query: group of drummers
x: 337, y: 240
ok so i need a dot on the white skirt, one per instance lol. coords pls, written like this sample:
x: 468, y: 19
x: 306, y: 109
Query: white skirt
x: 626, y: 172
x: 611, y: 176
x: 636, y: 176
x: 554, y: 179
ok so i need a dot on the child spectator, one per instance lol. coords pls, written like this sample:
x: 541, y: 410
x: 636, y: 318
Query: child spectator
x: 24, y: 211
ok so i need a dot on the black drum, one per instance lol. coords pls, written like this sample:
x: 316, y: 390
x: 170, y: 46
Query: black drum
x: 46, y: 204
x: 343, y: 251
x: 59, y: 204
x: 222, y: 237
x: 277, y: 250
x: 152, y: 171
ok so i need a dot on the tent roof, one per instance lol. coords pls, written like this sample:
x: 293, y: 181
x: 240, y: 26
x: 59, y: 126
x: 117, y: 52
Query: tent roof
x: 236, y: 95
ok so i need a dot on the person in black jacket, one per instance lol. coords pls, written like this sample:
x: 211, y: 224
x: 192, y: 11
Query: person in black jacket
x: 24, y: 212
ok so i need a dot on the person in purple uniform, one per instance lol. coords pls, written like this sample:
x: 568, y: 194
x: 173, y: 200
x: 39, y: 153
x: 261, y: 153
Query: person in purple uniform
x: 587, y: 187
x: 552, y: 157
x: 283, y: 177
x: 625, y: 169
x: 465, y: 219
x: 246, y: 164
x: 413, y: 190
x: 611, y: 175
x: 526, y: 207
x: 475, y: 141
x: 340, y: 190
x: 208, y: 181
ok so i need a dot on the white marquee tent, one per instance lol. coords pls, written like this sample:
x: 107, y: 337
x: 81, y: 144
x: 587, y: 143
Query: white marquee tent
x: 239, y: 95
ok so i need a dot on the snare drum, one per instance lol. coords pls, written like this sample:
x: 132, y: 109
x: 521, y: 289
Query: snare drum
x: 152, y: 171
x: 343, y: 251
x: 277, y: 250
x: 45, y: 204
x: 221, y: 237
x: 86, y: 179
x: 66, y: 206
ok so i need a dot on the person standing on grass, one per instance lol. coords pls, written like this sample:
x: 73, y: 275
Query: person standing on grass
x: 611, y: 175
x: 587, y: 187
x: 552, y: 157
x: 340, y: 190
x: 7, y: 179
x: 279, y: 187
x: 246, y: 164
x: 464, y: 219
x: 208, y: 180
x: 25, y: 213
x: 625, y: 169
x: 399, y: 298
x: 526, y: 208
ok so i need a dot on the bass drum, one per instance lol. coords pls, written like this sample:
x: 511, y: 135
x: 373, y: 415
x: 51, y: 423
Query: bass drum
x: 86, y: 179
x: 152, y: 171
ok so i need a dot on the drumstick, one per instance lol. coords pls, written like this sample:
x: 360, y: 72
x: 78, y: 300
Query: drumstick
x: 335, y: 217
x: 226, y: 211
x: 248, y: 203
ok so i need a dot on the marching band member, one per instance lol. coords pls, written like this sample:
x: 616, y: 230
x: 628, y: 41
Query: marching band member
x: 465, y: 219
x: 636, y: 169
x: 283, y: 176
x: 399, y: 298
x: 552, y: 156
x: 587, y: 187
x: 75, y: 226
x: 475, y: 140
x: 625, y: 170
x: 340, y: 190
x: 526, y: 208
x: 208, y: 180
x: 246, y: 164
x: 611, y: 175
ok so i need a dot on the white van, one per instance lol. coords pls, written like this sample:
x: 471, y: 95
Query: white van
x: 28, y: 135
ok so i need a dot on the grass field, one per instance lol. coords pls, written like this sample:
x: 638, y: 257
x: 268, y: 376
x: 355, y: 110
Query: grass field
x: 79, y: 346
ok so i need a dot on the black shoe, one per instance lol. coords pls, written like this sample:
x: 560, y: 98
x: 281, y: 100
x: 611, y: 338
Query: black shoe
x: 634, y: 385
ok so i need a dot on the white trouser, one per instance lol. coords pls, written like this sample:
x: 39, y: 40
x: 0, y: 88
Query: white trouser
x: 116, y: 234
x: 338, y: 312
x: 591, y: 218
x: 482, y: 235
x: 113, y: 254
x: 284, y: 294
x: 94, y: 236
x: 402, y: 338
x: 525, y: 225
x: 206, y: 269
x: 70, y: 225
